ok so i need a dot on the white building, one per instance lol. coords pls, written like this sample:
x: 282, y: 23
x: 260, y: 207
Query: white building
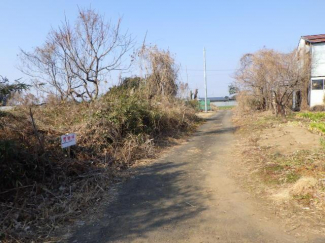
x: 314, y: 45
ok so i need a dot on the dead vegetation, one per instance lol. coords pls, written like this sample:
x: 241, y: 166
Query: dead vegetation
x: 284, y: 163
x: 42, y: 187
x: 268, y: 80
x: 77, y: 58
x: 160, y: 71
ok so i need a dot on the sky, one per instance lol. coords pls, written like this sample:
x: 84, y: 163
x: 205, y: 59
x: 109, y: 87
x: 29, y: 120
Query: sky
x: 227, y: 29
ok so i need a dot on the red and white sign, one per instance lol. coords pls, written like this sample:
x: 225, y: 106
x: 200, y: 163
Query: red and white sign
x: 68, y: 140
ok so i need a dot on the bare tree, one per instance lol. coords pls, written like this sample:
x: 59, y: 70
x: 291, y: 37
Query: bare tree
x: 48, y: 67
x: 161, y: 71
x: 289, y: 79
x: 304, y: 60
x: 75, y: 59
x: 195, y: 94
x: 183, y: 91
x: 250, y: 78
x: 271, y: 77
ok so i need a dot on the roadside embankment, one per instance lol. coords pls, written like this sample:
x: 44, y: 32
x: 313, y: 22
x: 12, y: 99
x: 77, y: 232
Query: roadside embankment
x: 284, y: 161
x: 43, y: 186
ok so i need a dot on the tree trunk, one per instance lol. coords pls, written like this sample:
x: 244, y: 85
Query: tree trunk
x: 280, y: 110
x: 304, y: 98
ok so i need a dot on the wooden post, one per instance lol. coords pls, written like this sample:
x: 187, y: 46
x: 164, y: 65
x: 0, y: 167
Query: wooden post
x: 69, y: 152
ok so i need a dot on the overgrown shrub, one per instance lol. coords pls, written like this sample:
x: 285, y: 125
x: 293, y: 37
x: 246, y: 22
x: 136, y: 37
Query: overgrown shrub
x: 248, y: 102
x: 112, y: 132
x: 193, y: 104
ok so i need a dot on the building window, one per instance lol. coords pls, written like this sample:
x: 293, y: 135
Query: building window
x: 317, y: 84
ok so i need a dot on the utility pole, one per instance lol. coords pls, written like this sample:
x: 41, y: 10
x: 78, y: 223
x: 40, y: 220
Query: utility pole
x: 205, y: 82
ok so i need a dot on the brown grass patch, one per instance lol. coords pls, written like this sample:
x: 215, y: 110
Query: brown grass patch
x: 42, y: 187
x: 291, y: 181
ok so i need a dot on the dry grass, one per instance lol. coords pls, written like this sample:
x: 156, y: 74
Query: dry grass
x: 305, y: 186
x: 291, y: 182
x: 205, y: 115
x: 42, y: 187
x: 276, y: 167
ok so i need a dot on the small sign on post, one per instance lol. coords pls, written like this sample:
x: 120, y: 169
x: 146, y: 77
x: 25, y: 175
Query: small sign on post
x: 68, y: 140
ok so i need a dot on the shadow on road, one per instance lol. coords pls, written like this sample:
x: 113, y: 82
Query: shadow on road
x: 155, y: 198
x: 217, y: 131
x: 163, y: 196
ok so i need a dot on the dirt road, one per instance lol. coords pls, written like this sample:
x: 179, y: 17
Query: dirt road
x: 187, y: 196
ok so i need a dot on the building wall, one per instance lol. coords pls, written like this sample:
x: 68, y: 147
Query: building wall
x: 318, y: 60
x: 317, y: 52
x: 303, y: 47
x: 317, y: 97
x: 317, y: 72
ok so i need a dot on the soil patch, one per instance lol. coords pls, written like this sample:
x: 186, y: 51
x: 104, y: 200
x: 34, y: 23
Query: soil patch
x: 283, y: 163
x: 287, y: 139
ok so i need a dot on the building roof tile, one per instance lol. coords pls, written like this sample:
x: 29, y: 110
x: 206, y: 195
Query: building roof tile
x: 314, y: 38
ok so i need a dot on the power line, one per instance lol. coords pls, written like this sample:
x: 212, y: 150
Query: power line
x: 210, y: 75
x: 210, y: 70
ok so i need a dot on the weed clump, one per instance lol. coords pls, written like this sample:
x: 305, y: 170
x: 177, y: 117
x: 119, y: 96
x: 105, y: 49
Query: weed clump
x: 304, y: 189
x: 313, y: 116
x: 316, y: 119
